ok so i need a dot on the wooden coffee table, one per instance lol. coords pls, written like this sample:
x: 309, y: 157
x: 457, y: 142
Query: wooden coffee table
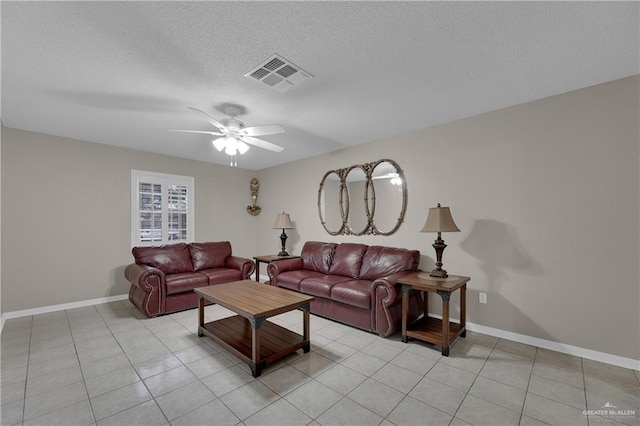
x: 248, y: 335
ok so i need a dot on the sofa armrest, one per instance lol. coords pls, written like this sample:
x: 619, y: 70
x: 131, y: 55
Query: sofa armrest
x: 246, y: 266
x: 280, y: 266
x: 145, y: 277
x: 386, y: 292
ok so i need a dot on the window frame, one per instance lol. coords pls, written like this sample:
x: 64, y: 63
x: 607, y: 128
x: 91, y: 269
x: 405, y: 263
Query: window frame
x: 165, y: 180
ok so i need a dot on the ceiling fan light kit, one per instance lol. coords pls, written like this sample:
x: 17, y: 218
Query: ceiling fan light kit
x: 235, y: 138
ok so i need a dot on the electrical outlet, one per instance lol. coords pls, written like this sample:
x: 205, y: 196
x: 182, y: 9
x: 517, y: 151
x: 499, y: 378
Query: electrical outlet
x: 482, y: 297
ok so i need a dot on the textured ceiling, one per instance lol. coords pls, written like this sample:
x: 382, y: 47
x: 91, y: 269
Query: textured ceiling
x: 121, y: 73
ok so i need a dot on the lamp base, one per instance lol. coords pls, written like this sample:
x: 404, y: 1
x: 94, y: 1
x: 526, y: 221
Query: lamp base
x: 283, y: 253
x: 438, y: 273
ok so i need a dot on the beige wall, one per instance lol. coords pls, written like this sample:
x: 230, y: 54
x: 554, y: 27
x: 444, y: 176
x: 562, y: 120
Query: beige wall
x: 546, y: 196
x: 66, y: 215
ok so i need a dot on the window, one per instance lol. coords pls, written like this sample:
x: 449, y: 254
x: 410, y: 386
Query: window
x: 162, y: 208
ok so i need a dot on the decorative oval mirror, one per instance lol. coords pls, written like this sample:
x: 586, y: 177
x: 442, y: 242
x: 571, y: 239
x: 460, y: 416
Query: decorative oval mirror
x: 389, y: 189
x: 368, y: 198
x: 358, y: 215
x: 333, y: 202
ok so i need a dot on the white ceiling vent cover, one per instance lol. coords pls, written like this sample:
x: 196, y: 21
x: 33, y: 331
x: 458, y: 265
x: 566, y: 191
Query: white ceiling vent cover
x: 279, y: 73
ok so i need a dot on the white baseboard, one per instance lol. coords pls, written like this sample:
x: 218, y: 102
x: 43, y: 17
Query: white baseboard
x: 606, y: 358
x: 620, y: 361
x: 61, y: 307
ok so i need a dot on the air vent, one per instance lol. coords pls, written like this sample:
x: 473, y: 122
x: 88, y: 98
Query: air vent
x: 279, y: 73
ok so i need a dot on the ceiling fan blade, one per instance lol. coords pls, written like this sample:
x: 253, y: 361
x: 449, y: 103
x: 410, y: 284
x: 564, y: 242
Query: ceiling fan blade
x: 210, y: 119
x: 271, y: 129
x: 261, y: 143
x: 197, y: 131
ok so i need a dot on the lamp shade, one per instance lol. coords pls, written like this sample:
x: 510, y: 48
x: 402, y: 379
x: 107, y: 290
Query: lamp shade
x: 440, y: 220
x: 283, y: 221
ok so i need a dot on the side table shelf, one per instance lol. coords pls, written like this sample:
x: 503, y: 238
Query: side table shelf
x: 440, y: 332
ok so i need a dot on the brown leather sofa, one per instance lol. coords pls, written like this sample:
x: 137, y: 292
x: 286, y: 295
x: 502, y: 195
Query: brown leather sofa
x: 163, y: 278
x: 352, y: 283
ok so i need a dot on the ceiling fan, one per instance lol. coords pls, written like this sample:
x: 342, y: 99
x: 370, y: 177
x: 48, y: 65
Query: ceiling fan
x: 233, y: 137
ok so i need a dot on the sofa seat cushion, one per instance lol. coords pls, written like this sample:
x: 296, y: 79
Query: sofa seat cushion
x: 292, y: 279
x: 209, y: 255
x: 170, y: 259
x: 186, y: 281
x: 221, y: 275
x: 354, y: 293
x: 321, y: 286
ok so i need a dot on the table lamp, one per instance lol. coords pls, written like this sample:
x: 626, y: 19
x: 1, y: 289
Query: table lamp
x: 439, y: 220
x: 283, y: 221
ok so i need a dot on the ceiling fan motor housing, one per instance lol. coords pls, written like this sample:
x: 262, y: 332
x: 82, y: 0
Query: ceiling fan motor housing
x: 233, y: 124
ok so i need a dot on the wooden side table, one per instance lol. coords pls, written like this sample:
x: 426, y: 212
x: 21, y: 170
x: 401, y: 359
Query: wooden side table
x: 268, y: 259
x: 433, y: 330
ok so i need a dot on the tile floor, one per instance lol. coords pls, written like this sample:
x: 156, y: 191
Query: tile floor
x: 107, y: 365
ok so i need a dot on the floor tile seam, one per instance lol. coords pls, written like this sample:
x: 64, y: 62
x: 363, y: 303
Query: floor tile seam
x: 129, y: 408
x: 133, y: 365
x: 467, y: 393
x: 57, y: 408
x: 81, y: 379
x: 526, y: 391
x: 352, y: 369
x: 421, y: 402
x: 552, y: 379
x: 240, y: 421
x: 81, y: 370
x: 24, y: 400
x: 406, y: 369
x: 215, y: 397
x: 268, y: 405
x: 292, y: 389
x: 24, y: 404
x: 357, y: 403
x: 551, y: 401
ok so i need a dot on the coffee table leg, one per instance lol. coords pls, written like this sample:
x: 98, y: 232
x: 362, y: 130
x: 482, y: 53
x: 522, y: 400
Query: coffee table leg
x: 306, y: 346
x: 256, y: 365
x: 200, y: 315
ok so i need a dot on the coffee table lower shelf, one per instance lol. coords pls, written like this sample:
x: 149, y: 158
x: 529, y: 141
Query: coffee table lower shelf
x: 429, y: 329
x: 235, y: 335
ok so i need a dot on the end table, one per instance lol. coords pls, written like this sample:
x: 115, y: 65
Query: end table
x: 433, y: 330
x: 268, y: 259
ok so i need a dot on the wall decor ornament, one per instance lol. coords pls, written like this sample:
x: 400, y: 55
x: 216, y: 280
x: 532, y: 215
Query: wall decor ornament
x: 380, y: 185
x: 254, y: 186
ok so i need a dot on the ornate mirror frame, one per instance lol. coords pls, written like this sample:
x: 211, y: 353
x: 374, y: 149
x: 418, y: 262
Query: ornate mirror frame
x: 369, y: 199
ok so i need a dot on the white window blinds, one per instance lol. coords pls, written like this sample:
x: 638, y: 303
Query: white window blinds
x: 161, y: 208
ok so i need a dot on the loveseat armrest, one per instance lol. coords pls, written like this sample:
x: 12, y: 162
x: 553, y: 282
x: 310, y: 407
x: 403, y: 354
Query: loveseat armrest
x: 246, y: 266
x: 148, y: 288
x: 280, y: 266
x: 145, y: 277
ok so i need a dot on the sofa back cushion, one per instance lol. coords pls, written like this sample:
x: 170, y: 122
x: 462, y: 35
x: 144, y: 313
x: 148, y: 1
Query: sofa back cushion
x: 381, y: 261
x: 316, y: 256
x: 209, y: 255
x: 170, y: 259
x: 347, y: 260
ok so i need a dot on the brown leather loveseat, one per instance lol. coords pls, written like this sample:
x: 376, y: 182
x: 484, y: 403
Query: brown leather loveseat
x: 352, y: 283
x: 163, y: 278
